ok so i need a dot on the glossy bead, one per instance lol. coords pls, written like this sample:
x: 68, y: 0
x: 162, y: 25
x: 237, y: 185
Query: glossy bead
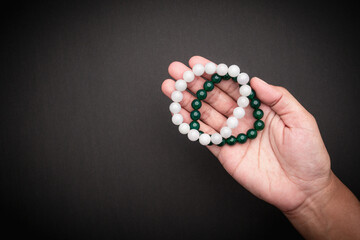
x: 208, y: 86
x: 195, y: 125
x: 176, y: 96
x: 188, y: 76
x: 231, y: 140
x: 243, y: 78
x: 245, y: 90
x: 177, y: 119
x: 239, y: 112
x: 223, y: 141
x: 251, y: 133
x: 234, y: 79
x: 216, y: 138
x: 201, y: 94
x: 180, y: 85
x: 195, y: 115
x: 198, y: 69
x: 226, y: 77
x: 225, y: 132
x: 243, y: 101
x: 252, y: 95
x: 193, y: 135
x: 196, y: 104
x: 210, y: 68
x: 255, y: 103
x: 232, y: 122
x: 184, y: 128
x: 259, y: 125
x: 175, y: 107
x: 222, y: 69
x: 241, y: 138
x: 258, y: 113
x: 216, y: 78
x: 234, y: 71
x: 204, y: 139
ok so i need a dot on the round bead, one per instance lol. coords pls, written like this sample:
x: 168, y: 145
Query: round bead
x: 241, y: 138
x: 255, y: 103
x: 204, y: 139
x: 234, y: 71
x: 195, y: 125
x: 184, y: 128
x: 216, y: 138
x: 245, y: 90
x: 252, y: 95
x: 231, y: 140
x: 225, y: 132
x: 208, y: 86
x: 195, y: 115
x: 177, y: 119
x: 259, y: 125
x: 222, y: 69
x: 175, y: 107
x: 243, y: 78
x: 210, y: 68
x: 226, y: 77
x: 258, y: 113
x: 223, y: 141
x: 193, y: 135
x: 243, y: 101
x: 201, y: 94
x: 188, y: 76
x: 196, y: 104
x: 251, y: 133
x: 180, y: 85
x: 232, y: 122
x: 239, y: 112
x: 198, y: 69
x: 176, y: 96
x: 216, y: 78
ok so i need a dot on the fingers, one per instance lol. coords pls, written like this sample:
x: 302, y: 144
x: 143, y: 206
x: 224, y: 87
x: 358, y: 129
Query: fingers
x: 219, y: 100
x: 292, y: 113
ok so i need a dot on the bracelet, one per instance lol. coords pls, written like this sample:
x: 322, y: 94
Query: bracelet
x: 218, y: 73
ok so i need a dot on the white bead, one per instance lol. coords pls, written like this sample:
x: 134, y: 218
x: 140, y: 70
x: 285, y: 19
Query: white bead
x: 245, y: 90
x: 188, y: 76
x: 239, y: 112
x: 222, y: 69
x: 243, y: 101
x: 175, y: 107
x: 225, y: 132
x: 184, y: 128
x: 177, y: 119
x: 232, y: 122
x: 204, y: 139
x: 176, y: 96
x: 193, y: 135
x: 216, y: 138
x: 180, y: 85
x: 243, y: 78
x: 234, y: 70
x: 198, y: 69
x: 210, y: 68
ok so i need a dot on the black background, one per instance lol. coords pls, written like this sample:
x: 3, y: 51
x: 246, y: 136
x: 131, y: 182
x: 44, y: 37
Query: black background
x: 88, y: 149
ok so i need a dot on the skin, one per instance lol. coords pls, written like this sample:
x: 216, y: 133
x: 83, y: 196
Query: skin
x: 287, y: 165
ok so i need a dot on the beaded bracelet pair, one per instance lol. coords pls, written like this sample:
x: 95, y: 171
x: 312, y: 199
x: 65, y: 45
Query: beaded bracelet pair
x: 247, y: 97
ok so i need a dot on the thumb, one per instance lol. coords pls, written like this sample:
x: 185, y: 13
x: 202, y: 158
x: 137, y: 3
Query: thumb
x: 291, y: 112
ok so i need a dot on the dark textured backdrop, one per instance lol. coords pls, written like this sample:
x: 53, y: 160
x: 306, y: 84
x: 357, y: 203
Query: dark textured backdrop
x: 88, y: 149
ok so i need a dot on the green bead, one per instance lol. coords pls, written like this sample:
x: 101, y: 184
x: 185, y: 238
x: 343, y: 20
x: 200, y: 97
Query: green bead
x: 251, y: 133
x: 241, y: 138
x: 196, y: 104
x: 201, y: 132
x: 195, y: 115
x: 215, y: 78
x: 255, y: 103
x: 259, y: 125
x: 210, y: 143
x: 201, y: 94
x: 222, y: 143
x: 226, y: 77
x: 231, y: 140
x: 258, y: 113
x: 234, y: 79
x: 252, y: 95
x: 194, y: 125
x: 208, y: 86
